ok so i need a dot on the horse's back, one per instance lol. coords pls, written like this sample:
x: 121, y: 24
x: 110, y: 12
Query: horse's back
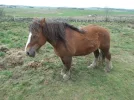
x: 98, y: 34
x: 92, y: 29
x: 82, y: 44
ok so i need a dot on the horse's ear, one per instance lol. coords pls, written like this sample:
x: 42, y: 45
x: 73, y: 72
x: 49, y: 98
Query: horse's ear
x: 42, y: 22
x: 34, y: 19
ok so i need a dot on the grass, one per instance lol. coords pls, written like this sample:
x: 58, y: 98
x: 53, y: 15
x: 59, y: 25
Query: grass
x: 64, y: 12
x: 12, y: 34
x: 45, y: 83
x: 2, y: 54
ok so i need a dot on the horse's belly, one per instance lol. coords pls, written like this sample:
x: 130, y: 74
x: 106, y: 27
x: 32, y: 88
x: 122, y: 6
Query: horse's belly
x: 84, y: 50
x: 82, y: 53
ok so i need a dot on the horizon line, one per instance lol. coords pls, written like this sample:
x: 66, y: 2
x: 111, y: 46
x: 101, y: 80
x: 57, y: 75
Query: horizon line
x: 65, y: 6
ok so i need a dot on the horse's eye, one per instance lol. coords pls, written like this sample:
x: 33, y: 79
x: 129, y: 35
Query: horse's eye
x: 34, y: 37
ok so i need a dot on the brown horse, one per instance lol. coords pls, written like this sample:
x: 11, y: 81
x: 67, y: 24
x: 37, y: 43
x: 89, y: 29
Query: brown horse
x: 69, y: 41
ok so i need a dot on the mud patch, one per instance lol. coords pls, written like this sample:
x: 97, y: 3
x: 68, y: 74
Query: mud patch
x: 34, y: 64
x: 3, y: 48
x: 2, y: 67
x: 13, y: 57
x: 37, y: 64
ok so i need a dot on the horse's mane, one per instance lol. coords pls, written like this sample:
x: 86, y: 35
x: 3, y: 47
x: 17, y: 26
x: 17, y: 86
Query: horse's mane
x: 55, y: 31
x: 74, y: 28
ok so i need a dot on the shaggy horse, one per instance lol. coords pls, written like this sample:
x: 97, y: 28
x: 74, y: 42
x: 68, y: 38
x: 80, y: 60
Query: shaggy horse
x: 69, y: 41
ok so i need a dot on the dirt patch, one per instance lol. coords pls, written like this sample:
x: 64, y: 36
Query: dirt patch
x: 16, y: 57
x: 131, y: 26
x: 3, y: 48
x: 34, y: 64
x: 2, y: 67
x: 37, y: 64
x: 13, y: 57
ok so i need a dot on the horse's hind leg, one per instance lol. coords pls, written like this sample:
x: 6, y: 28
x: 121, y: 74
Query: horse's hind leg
x: 66, y: 69
x: 102, y: 57
x: 107, y: 55
x: 95, y: 62
x: 108, y: 62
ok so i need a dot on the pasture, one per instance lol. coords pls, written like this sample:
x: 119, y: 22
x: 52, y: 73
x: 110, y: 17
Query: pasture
x: 64, y: 12
x: 25, y: 78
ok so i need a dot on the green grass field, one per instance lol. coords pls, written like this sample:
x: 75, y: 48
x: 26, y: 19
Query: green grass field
x: 63, y: 12
x: 25, y: 82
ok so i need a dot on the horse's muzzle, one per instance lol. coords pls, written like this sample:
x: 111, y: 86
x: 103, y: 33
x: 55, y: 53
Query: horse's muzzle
x: 31, y: 53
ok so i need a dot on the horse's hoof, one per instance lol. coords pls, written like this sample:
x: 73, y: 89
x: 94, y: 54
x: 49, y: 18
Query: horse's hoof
x: 107, y: 70
x: 91, y: 66
x: 62, y: 72
x: 111, y: 67
x: 66, y: 77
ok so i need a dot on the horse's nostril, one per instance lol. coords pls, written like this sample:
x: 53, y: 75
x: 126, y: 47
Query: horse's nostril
x: 30, y: 53
x: 27, y: 53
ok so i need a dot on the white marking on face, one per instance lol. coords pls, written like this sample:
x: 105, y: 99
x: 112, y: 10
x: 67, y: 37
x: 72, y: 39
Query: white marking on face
x: 28, y: 41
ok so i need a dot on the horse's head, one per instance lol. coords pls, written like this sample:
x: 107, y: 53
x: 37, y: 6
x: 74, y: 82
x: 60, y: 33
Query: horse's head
x: 36, y: 38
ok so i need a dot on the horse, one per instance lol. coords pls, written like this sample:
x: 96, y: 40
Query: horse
x: 68, y: 41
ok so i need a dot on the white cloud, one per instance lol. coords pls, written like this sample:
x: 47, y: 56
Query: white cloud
x: 73, y: 3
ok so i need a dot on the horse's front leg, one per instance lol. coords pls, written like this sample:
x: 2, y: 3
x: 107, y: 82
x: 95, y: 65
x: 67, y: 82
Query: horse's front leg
x: 65, y: 72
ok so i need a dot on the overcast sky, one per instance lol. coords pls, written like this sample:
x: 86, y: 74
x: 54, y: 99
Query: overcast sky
x: 129, y: 4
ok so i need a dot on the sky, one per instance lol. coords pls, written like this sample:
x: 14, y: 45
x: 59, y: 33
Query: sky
x: 127, y: 4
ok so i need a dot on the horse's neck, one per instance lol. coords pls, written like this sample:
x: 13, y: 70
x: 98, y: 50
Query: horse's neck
x: 69, y: 35
x: 52, y: 43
